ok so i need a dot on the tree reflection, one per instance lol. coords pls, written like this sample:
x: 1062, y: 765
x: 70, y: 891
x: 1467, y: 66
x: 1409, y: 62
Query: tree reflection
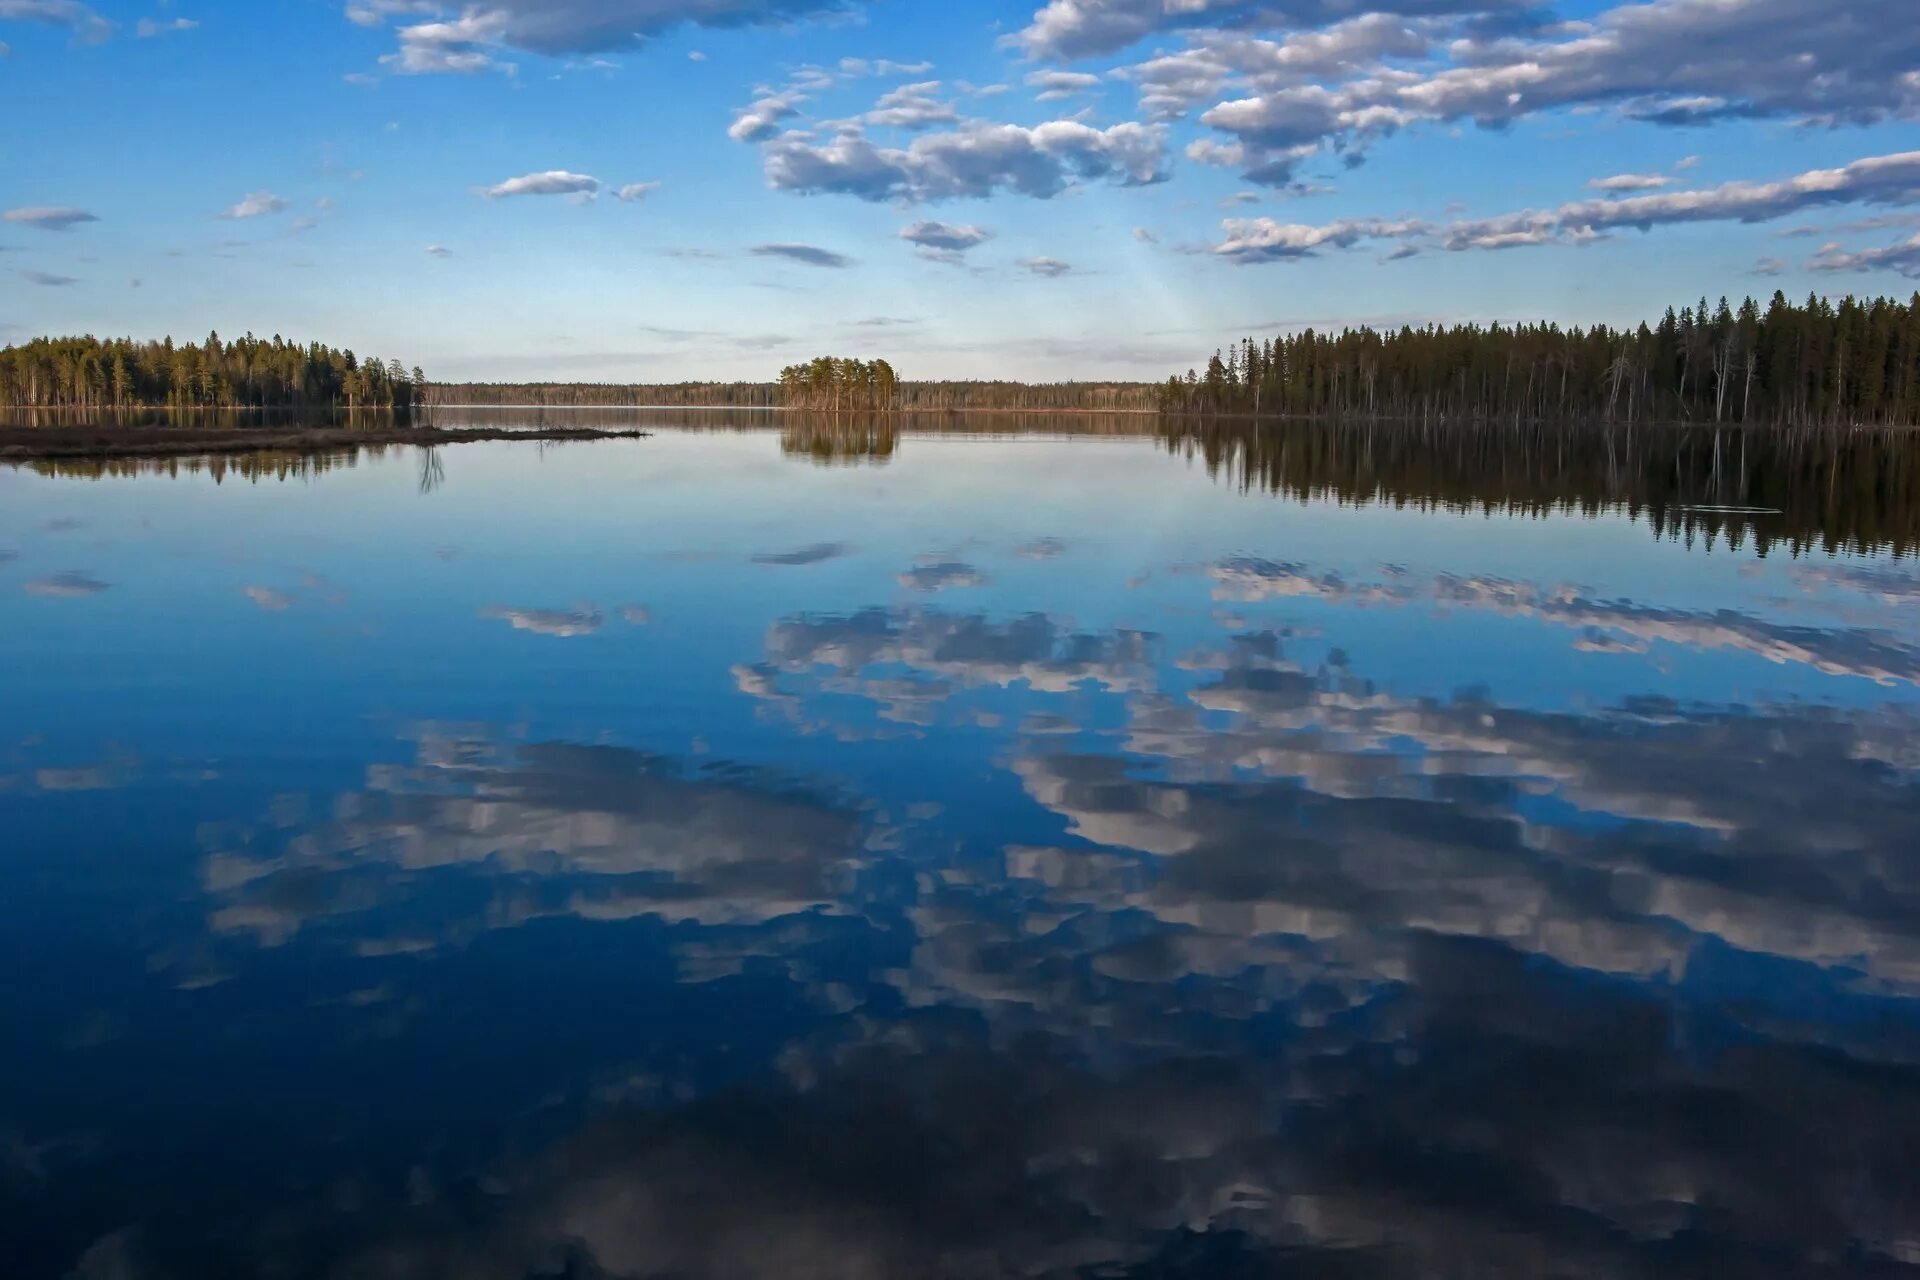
x: 1797, y: 490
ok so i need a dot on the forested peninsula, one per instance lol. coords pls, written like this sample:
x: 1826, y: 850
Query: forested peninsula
x: 1851, y: 363
x: 247, y: 373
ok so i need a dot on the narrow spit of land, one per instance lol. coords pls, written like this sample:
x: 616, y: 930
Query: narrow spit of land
x: 24, y: 444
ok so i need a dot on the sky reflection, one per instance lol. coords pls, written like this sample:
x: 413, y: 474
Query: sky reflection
x: 1245, y: 887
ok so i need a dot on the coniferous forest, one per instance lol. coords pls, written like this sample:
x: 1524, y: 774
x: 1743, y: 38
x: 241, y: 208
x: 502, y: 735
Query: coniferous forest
x: 250, y: 373
x: 1856, y: 362
x: 944, y: 396
x: 1820, y: 363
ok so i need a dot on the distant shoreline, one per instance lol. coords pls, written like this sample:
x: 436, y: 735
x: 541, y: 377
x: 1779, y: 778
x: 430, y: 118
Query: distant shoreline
x: 782, y: 408
x: 27, y: 444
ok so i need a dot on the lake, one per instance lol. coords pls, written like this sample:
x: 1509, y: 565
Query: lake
x: 964, y: 847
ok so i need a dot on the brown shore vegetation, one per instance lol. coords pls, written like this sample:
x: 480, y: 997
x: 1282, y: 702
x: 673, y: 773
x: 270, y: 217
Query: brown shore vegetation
x: 25, y: 444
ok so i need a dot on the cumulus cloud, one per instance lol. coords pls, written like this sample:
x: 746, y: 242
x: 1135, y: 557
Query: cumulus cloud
x: 634, y: 192
x: 1666, y: 61
x: 911, y: 106
x: 553, y: 182
x: 255, y: 205
x: 761, y: 120
x: 977, y: 159
x: 48, y: 279
x: 76, y: 17
x: 565, y: 624
x: 1250, y: 240
x: 49, y: 217
x: 1050, y: 86
x: 944, y: 241
x: 439, y: 251
x: 942, y: 575
x: 811, y: 255
x: 458, y: 46
x: 1889, y: 179
x: 1903, y: 258
x: 1172, y: 84
x: 148, y: 28
x: 267, y: 599
x: 1631, y: 182
x: 1051, y: 268
x: 467, y: 39
x: 70, y: 585
x: 1081, y: 28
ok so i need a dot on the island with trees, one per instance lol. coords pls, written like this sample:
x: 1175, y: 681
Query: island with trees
x: 836, y: 383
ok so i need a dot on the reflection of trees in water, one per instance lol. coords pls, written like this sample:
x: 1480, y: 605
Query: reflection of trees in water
x: 1804, y: 489
x: 834, y: 438
x: 266, y: 464
x: 433, y: 472
x: 201, y: 419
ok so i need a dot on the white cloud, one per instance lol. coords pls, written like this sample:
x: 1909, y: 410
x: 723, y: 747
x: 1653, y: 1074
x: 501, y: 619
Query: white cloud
x: 1172, y: 84
x: 1903, y: 258
x: 148, y: 28
x: 761, y: 120
x: 1873, y: 180
x: 256, y: 204
x: 1663, y: 61
x: 1080, y: 28
x: 976, y: 159
x: 634, y: 192
x: 439, y: 251
x: 911, y: 106
x: 1631, y: 182
x: 561, y: 623
x: 943, y: 241
x: 553, y: 182
x: 76, y: 17
x: 1054, y: 85
x: 1265, y: 240
x: 467, y: 38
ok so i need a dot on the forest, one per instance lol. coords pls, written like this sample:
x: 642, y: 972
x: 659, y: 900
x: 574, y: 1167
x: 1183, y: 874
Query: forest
x: 951, y: 396
x: 249, y: 372
x: 1854, y: 363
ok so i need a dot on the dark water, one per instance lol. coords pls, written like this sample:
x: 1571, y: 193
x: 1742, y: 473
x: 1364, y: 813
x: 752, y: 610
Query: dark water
x: 832, y: 850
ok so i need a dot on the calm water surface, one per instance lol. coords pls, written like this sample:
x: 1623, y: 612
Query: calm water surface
x: 833, y: 850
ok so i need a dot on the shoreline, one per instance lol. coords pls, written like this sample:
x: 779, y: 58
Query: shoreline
x: 30, y: 444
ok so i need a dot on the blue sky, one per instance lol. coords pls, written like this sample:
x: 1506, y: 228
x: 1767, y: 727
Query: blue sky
x: 668, y: 189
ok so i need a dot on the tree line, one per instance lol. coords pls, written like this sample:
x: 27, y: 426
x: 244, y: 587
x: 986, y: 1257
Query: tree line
x: 946, y: 396
x: 249, y: 372
x: 1817, y: 364
x: 608, y: 395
